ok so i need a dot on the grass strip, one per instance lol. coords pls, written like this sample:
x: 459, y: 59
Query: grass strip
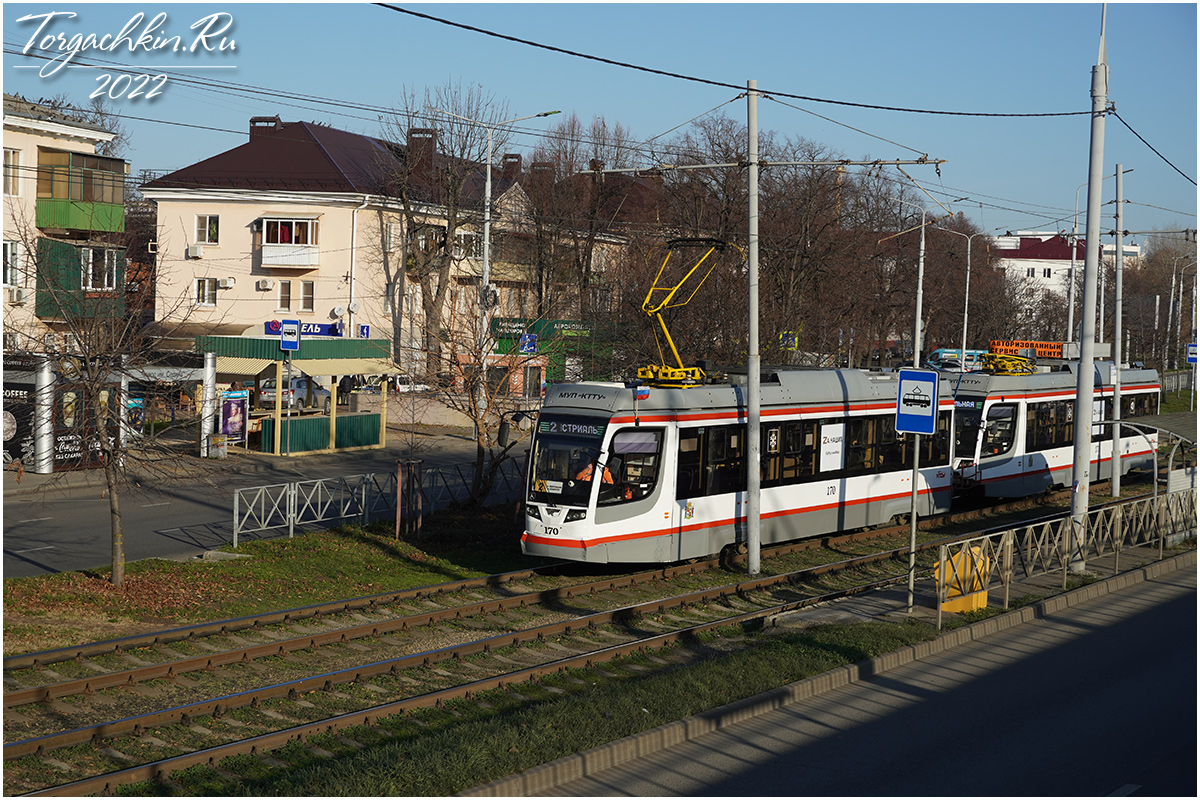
x: 441, y: 752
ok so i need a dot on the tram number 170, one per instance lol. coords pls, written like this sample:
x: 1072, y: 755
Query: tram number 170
x: 550, y: 531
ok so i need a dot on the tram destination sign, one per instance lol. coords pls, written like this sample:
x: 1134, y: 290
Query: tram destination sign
x: 917, y: 401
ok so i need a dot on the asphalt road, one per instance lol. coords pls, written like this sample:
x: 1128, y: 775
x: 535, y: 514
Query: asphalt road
x: 1095, y: 700
x: 66, y: 526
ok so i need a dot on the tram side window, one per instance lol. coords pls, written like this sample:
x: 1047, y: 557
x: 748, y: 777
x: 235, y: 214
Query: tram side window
x: 999, y: 430
x: 936, y: 449
x: 860, y: 444
x: 725, y: 464
x: 1050, y: 425
x: 800, y: 451
x: 689, y: 478
x: 634, y: 464
x: 892, y: 451
x: 1139, y: 405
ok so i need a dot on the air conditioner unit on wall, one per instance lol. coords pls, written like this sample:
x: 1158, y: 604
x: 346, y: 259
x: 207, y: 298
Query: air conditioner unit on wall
x: 265, y: 284
x: 17, y: 295
x: 225, y: 283
x: 195, y: 251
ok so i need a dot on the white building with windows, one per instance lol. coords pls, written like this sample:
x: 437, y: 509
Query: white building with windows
x: 1043, y: 260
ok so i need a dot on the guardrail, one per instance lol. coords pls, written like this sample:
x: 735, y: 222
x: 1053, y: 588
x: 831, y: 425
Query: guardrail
x: 982, y: 563
x: 364, y: 498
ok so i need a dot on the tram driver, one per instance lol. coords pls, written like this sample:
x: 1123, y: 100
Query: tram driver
x: 608, y: 488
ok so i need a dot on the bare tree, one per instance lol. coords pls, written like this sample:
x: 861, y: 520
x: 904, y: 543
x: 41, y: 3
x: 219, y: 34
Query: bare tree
x: 95, y: 343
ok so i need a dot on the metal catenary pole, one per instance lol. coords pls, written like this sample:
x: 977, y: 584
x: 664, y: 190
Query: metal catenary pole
x: 753, y: 375
x: 1086, y: 380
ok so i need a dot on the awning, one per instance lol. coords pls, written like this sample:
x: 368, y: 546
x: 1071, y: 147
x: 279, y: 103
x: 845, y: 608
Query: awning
x: 233, y: 368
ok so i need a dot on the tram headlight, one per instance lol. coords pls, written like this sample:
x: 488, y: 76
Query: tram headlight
x: 533, y: 512
x: 576, y: 513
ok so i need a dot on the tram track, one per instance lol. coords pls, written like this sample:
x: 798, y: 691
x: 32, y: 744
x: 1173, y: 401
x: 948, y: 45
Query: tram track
x: 482, y: 631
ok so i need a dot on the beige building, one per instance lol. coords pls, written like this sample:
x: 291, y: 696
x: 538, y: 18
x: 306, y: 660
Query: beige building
x: 63, y: 225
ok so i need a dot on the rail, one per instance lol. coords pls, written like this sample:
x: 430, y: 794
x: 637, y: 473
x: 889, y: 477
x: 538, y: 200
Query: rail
x: 990, y: 561
x: 364, y: 498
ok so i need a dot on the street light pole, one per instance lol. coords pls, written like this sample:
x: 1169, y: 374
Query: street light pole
x: 967, y: 297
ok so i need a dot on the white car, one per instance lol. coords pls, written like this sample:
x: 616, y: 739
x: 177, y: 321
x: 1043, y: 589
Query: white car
x: 404, y: 383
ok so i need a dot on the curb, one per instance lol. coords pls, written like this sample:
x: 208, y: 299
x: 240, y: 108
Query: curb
x: 548, y: 776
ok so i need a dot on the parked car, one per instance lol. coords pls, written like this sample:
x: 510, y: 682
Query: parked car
x: 296, y: 394
x: 405, y: 383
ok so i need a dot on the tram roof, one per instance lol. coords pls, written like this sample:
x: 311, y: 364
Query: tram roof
x: 781, y: 387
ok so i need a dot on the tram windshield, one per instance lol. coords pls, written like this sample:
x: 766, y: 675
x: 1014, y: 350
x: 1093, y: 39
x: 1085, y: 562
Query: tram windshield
x: 566, y: 452
x: 968, y: 420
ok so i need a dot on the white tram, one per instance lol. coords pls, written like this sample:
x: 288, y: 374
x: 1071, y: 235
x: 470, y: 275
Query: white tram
x: 661, y: 477
x: 1014, y: 434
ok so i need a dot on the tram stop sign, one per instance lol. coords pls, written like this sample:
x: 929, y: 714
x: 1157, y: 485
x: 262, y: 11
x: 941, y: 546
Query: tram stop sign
x: 916, y: 402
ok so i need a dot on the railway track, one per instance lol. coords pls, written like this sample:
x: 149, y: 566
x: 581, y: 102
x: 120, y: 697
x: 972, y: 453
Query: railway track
x: 87, y: 719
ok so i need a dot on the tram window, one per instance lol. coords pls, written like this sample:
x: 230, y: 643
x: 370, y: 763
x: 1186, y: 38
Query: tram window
x: 633, y: 463
x: 772, y: 445
x: 799, y: 462
x: 1140, y: 405
x: 935, y: 449
x: 725, y: 465
x: 892, y: 453
x: 999, y: 430
x: 1049, y: 425
x: 688, y: 479
x: 860, y: 445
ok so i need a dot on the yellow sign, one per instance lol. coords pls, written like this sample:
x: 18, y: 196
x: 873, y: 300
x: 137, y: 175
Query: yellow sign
x: 1015, y: 348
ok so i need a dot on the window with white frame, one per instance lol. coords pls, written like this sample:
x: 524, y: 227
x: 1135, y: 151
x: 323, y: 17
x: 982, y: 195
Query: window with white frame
x: 13, y: 274
x: 207, y: 229
x: 290, y: 231
x: 285, y: 296
x: 1046, y: 272
x: 12, y: 172
x: 98, y: 267
x: 307, y: 297
x: 1030, y: 272
x: 206, y: 292
x: 391, y: 236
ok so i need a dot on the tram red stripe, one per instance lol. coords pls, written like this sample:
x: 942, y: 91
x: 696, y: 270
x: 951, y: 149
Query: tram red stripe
x: 625, y: 537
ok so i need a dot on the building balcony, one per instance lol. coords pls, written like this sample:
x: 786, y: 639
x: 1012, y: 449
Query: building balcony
x: 291, y: 255
x: 78, y: 215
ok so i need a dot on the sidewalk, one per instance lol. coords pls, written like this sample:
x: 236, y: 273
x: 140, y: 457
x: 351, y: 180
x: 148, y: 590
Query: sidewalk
x: 688, y: 757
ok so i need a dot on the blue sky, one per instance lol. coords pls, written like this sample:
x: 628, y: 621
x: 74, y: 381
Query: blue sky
x: 1019, y: 173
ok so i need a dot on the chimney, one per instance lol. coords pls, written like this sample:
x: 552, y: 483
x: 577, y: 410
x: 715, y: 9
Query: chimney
x: 512, y: 167
x: 264, y: 125
x: 422, y: 146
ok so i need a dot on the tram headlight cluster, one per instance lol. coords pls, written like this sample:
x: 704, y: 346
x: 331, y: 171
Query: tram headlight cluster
x: 576, y: 513
x: 533, y: 511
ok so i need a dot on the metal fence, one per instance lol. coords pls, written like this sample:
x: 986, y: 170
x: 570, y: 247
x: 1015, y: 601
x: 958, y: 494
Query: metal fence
x: 1177, y: 381
x: 991, y: 560
x: 362, y: 498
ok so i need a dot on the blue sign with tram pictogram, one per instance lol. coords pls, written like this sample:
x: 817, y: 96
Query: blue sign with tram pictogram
x: 916, y: 401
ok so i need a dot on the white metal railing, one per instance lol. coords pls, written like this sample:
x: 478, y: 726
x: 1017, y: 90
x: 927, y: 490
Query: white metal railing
x: 365, y: 498
x: 992, y: 559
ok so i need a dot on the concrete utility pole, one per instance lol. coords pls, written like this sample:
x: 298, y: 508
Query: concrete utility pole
x: 1117, y: 352
x: 753, y: 367
x: 1086, y: 379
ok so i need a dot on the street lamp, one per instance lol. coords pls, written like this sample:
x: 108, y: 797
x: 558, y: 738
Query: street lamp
x: 916, y: 361
x: 486, y: 272
x: 967, y: 297
x: 1071, y: 279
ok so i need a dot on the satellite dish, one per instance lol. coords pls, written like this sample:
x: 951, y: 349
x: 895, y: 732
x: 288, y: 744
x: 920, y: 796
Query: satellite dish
x: 339, y: 311
x: 354, y: 307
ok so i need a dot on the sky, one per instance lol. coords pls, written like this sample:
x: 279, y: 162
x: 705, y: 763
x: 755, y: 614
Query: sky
x: 985, y: 61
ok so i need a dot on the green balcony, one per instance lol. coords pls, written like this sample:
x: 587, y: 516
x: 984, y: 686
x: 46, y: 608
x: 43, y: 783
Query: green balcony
x: 79, y: 215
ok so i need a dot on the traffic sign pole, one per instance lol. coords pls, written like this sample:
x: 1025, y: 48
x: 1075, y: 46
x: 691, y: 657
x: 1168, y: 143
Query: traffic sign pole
x: 916, y: 414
